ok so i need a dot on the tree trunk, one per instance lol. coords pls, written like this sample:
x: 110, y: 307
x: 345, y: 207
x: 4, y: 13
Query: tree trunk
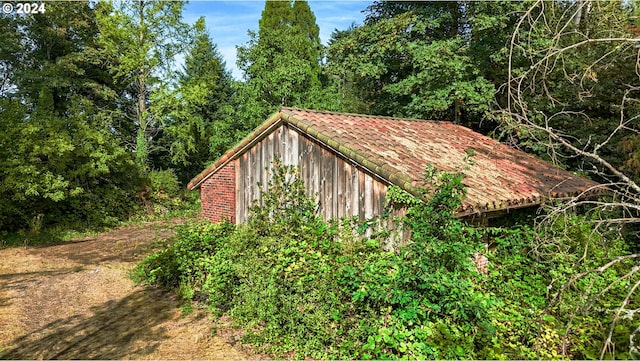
x: 142, y: 148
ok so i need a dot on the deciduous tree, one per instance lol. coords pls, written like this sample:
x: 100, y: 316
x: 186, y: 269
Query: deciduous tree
x: 140, y: 40
x: 574, y: 88
x: 416, y: 60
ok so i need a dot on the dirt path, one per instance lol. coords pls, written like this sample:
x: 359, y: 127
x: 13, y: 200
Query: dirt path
x: 75, y: 301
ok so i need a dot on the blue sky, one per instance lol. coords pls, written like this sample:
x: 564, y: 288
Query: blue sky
x: 228, y: 21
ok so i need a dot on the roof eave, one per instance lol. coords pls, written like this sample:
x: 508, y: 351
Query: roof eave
x: 496, y: 211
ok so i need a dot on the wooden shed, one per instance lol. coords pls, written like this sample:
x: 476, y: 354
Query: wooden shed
x: 349, y: 160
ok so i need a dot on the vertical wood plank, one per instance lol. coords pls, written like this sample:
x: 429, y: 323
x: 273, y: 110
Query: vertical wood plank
x: 378, y: 197
x: 294, y: 147
x: 374, y: 197
x: 256, y: 174
x: 263, y: 163
x: 319, y: 175
x: 282, y: 144
x: 302, y: 161
x: 277, y: 144
x: 252, y: 176
x: 269, y: 155
x: 337, y: 189
x: 239, y: 190
x: 305, y: 162
x: 368, y: 196
x: 286, y: 145
x: 355, y: 192
x: 340, y: 187
x: 248, y: 195
x: 314, y: 169
x: 361, y: 197
x: 347, y: 203
x: 327, y: 184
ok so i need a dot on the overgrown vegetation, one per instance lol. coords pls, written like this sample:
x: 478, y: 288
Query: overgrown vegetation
x: 303, y: 287
x: 98, y: 124
x: 163, y: 198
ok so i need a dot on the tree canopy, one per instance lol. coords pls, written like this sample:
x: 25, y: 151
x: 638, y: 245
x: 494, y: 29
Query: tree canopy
x: 107, y: 106
x: 281, y: 62
x: 424, y: 59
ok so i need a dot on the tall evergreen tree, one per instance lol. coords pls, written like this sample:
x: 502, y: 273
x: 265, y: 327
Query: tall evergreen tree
x: 281, y: 62
x: 57, y: 48
x: 304, y: 26
x: 196, y: 129
x: 275, y: 15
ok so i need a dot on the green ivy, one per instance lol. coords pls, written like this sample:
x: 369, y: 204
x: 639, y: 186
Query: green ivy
x: 304, y: 287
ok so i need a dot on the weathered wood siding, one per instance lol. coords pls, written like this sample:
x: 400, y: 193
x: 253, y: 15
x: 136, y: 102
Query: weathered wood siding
x: 341, y: 188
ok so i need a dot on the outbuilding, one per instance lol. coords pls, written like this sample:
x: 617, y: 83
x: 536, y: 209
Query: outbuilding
x: 350, y: 160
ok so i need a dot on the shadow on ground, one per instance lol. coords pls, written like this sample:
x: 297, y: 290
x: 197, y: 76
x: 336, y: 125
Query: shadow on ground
x: 21, y: 281
x: 128, y: 328
x: 122, y: 246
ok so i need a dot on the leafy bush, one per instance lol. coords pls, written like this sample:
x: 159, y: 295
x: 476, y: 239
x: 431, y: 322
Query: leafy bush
x: 71, y: 170
x: 304, y: 287
x: 164, y: 182
x: 160, y: 268
x: 181, y: 265
x: 165, y: 194
x: 284, y: 207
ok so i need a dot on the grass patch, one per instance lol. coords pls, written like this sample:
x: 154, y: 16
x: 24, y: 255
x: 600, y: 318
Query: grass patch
x: 40, y: 234
x: 47, y: 236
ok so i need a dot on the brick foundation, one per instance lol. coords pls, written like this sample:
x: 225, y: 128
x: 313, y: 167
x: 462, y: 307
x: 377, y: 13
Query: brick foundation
x: 218, y: 195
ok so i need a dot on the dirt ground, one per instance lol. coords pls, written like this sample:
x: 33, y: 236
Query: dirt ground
x: 75, y: 300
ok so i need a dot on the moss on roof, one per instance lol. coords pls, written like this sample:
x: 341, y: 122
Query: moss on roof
x: 398, y: 150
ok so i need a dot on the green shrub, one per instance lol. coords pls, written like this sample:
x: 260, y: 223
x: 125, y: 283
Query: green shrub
x: 304, y: 287
x: 160, y: 268
x: 180, y: 267
x: 164, y: 182
x: 164, y: 194
x: 284, y: 207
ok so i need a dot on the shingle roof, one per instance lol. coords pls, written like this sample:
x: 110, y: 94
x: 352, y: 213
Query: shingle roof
x: 398, y: 150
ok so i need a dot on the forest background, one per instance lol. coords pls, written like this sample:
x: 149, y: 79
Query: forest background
x: 99, y: 124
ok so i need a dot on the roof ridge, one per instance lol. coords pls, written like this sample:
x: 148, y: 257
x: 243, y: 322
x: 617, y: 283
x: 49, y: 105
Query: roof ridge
x: 283, y: 108
x: 506, y: 177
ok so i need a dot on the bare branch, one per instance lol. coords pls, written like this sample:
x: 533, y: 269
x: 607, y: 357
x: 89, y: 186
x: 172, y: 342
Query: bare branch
x: 571, y: 62
x: 608, y: 342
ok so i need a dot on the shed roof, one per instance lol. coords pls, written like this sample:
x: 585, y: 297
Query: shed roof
x: 397, y: 150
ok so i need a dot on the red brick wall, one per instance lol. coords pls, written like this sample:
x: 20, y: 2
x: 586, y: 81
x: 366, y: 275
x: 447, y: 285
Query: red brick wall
x: 218, y: 195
